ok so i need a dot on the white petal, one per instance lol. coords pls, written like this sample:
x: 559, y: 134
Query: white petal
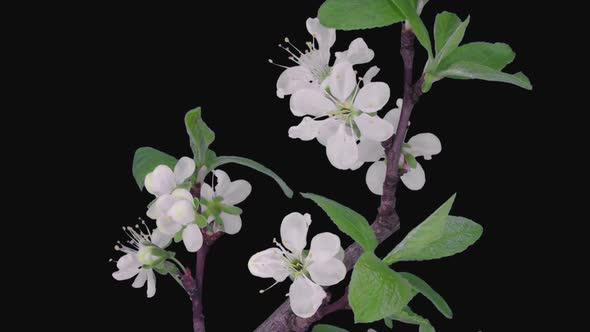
x: 182, y: 194
x: 307, y: 130
x: 372, y: 97
x: 153, y: 211
x: 160, y: 239
x: 342, y: 81
x: 231, y: 223
x: 162, y: 205
x: 192, y: 238
x: 128, y: 262
x: 375, y: 177
x: 373, y: 127
x: 340, y: 255
x: 327, y: 128
x: 393, y: 118
x: 168, y: 226
x: 370, y: 150
x: 140, y: 279
x: 310, y: 102
x: 358, y: 53
x: 341, y: 149
x: 151, y: 283
x: 305, y: 297
x: 269, y: 263
x: 125, y: 274
x: 415, y: 178
x: 223, y: 181
x: 236, y: 192
x: 160, y: 181
x: 184, y: 168
x: 294, y: 79
x: 294, y: 231
x: 399, y: 103
x: 324, y: 36
x: 324, y: 246
x: 370, y: 74
x: 327, y: 273
x: 426, y: 145
x: 182, y: 212
x: 207, y: 192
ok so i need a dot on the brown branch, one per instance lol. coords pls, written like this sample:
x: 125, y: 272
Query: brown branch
x: 387, y: 221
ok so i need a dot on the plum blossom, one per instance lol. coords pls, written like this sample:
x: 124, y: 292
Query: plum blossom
x: 321, y: 266
x: 219, y: 204
x: 342, y: 113
x: 144, y: 251
x: 162, y: 180
x: 313, y: 64
x: 421, y: 145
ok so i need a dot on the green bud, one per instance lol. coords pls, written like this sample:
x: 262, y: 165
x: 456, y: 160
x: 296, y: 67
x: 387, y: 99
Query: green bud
x: 151, y: 256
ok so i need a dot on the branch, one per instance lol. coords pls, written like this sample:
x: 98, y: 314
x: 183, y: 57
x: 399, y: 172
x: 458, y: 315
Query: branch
x: 387, y: 221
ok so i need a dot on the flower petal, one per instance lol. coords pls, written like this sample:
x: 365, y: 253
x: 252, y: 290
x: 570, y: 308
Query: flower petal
x: 294, y: 231
x: 160, y: 239
x: 342, y: 81
x: 140, y: 279
x: 310, y: 102
x: 207, y: 192
x: 324, y: 36
x: 415, y: 178
x: 182, y: 212
x: 425, y: 145
x: 128, y: 262
x: 184, y: 168
x: 307, y: 130
x: 370, y: 74
x: 294, y: 79
x: 125, y: 274
x: 305, y: 297
x: 151, y: 283
x: 393, y: 118
x: 370, y: 150
x: 341, y: 149
x: 231, y: 223
x: 375, y: 177
x: 373, y: 127
x: 358, y: 53
x: 182, y: 194
x: 168, y: 226
x: 372, y: 97
x: 236, y: 192
x: 324, y: 246
x: 162, y: 205
x: 160, y: 181
x: 327, y: 273
x: 192, y: 238
x: 327, y: 128
x: 153, y: 212
x: 269, y: 263
x: 223, y: 182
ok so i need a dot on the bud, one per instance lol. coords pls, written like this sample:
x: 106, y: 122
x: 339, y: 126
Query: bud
x: 151, y: 256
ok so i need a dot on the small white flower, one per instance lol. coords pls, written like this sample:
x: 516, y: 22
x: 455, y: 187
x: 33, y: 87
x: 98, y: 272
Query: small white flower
x: 175, y: 213
x: 140, y: 256
x: 422, y: 145
x: 345, y: 109
x: 162, y: 180
x: 313, y: 64
x: 219, y: 202
x: 322, y: 266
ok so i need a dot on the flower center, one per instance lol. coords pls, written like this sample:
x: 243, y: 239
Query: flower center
x: 296, y: 265
x: 311, y: 58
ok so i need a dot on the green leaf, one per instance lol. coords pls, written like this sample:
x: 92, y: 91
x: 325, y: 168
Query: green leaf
x: 348, y: 221
x: 201, y: 136
x: 470, y: 70
x: 422, y: 287
x: 448, y: 35
x: 412, y: 162
x: 421, y: 236
x: 406, y: 315
x: 496, y: 55
x: 178, y: 236
x: 222, y: 160
x: 358, y: 14
x: 388, y: 322
x: 146, y: 159
x: 201, y: 221
x: 408, y: 9
x: 327, y: 328
x: 376, y: 291
x: 426, y: 327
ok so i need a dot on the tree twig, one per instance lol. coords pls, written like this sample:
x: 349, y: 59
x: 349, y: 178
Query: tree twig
x: 387, y: 221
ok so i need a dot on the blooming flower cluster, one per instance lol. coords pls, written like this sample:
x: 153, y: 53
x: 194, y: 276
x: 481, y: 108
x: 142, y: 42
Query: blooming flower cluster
x: 310, y: 270
x: 342, y: 115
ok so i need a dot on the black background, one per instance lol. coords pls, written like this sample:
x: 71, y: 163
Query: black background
x: 154, y: 63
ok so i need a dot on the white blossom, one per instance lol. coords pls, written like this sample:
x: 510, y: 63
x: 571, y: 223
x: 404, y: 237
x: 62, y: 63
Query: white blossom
x: 321, y: 266
x: 162, y: 180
